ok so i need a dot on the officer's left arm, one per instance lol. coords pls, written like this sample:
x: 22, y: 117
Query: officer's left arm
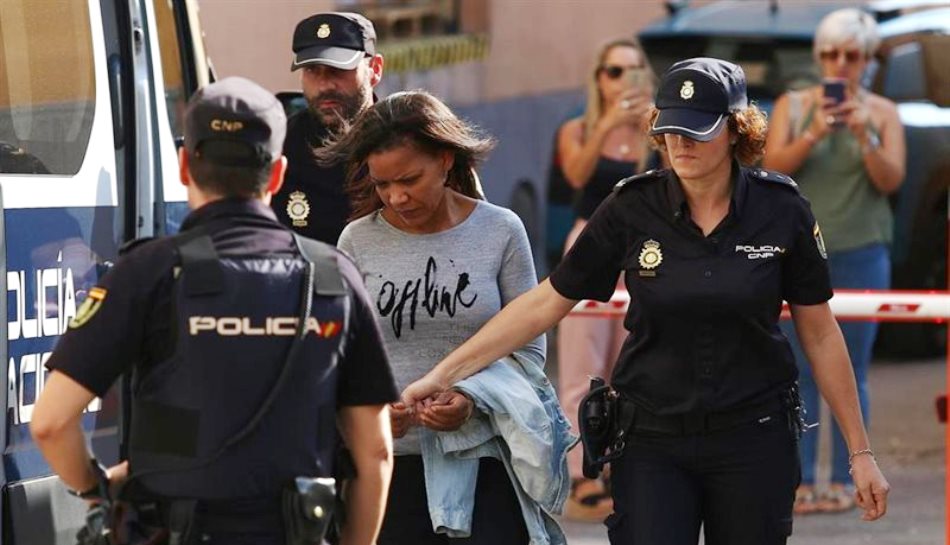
x: 365, y: 430
x: 825, y: 349
x: 58, y: 433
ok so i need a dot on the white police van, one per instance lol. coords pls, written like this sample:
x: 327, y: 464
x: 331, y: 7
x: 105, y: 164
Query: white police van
x: 91, y: 98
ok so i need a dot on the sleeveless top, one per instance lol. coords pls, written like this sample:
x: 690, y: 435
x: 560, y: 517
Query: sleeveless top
x: 606, y: 175
x: 852, y: 213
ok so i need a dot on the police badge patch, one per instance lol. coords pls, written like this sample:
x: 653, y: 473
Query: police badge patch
x: 650, y: 258
x: 298, y: 209
x: 89, y: 307
x: 820, y: 241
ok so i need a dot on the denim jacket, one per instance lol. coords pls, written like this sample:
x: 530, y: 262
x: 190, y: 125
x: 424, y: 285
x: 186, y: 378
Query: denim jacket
x: 520, y: 423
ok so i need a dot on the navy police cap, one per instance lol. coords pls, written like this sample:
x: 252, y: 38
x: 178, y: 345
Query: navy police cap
x: 235, y: 122
x: 696, y: 96
x: 336, y: 39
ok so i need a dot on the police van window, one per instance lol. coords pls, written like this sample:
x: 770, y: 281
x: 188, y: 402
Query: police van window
x: 175, y: 94
x: 47, y: 86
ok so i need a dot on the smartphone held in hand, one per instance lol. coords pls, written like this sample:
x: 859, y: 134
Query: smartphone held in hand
x: 834, y: 89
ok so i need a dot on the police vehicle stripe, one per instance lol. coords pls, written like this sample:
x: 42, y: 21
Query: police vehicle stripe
x: 687, y: 129
x: 95, y: 183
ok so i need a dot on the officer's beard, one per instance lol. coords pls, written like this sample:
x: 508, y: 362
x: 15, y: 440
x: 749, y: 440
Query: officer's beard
x: 334, y: 118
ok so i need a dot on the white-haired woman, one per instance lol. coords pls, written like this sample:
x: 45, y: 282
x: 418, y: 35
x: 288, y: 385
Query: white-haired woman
x: 847, y: 156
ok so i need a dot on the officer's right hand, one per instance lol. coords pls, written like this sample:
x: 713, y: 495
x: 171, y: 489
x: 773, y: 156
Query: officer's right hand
x: 400, y: 418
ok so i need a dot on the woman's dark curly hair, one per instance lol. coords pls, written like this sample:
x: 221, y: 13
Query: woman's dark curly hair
x: 749, y: 125
x: 411, y: 117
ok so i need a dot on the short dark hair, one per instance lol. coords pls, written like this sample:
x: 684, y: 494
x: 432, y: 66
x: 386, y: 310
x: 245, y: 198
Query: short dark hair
x: 228, y: 180
x: 410, y: 117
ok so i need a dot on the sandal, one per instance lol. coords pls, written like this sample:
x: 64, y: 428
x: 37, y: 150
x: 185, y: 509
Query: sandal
x: 837, y: 499
x: 589, y: 501
x: 806, y: 501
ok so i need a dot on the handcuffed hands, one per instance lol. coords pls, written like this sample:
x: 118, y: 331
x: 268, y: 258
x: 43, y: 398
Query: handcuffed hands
x: 446, y: 411
x: 428, y: 403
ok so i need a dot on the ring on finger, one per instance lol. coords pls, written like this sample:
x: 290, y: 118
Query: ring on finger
x: 830, y: 120
x: 625, y: 104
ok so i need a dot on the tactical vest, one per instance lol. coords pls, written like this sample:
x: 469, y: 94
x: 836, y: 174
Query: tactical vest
x: 247, y: 400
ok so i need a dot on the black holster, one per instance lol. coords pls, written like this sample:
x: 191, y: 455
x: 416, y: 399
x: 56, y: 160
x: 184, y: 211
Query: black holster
x: 604, y: 420
x: 307, y: 506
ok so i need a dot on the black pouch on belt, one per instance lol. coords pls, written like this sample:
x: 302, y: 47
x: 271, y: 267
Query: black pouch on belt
x: 603, y: 425
x: 307, y: 506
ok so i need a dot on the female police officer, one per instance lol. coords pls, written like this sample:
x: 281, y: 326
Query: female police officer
x: 709, y: 250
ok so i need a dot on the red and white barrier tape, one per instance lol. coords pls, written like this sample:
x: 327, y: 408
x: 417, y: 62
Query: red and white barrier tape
x: 869, y: 305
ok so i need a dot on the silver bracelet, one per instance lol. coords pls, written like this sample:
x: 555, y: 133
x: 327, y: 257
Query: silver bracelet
x: 855, y: 454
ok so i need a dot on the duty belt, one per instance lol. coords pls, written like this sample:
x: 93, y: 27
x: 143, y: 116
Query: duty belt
x: 699, y: 422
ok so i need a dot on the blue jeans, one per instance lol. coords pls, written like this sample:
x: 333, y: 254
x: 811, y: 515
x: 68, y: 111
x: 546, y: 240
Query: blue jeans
x: 868, y: 267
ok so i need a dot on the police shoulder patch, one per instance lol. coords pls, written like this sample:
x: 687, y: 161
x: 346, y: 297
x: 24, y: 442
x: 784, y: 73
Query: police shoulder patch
x: 775, y: 177
x: 652, y: 174
x: 90, y: 306
x: 133, y: 244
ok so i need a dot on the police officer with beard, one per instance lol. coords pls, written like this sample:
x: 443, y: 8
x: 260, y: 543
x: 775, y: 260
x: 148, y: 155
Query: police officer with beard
x: 336, y: 54
x: 250, y: 351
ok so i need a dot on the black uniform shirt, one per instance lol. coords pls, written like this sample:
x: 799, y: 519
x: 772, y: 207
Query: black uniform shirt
x: 312, y: 201
x: 132, y: 323
x: 704, y: 310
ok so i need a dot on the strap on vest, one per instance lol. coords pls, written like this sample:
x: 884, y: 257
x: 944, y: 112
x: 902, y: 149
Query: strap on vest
x: 327, y: 278
x: 199, y: 262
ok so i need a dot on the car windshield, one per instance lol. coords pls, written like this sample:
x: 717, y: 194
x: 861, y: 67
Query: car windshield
x: 771, y: 66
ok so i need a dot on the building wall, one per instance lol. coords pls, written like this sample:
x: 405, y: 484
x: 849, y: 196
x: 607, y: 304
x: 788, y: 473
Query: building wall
x: 537, y: 46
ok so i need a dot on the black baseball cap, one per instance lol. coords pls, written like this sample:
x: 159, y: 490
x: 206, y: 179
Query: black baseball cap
x: 696, y: 96
x: 235, y: 122
x: 336, y: 39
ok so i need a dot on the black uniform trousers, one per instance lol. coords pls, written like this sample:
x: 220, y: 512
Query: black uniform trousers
x: 738, y: 484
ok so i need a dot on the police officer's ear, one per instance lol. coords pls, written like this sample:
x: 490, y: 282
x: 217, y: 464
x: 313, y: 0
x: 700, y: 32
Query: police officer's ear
x: 276, y: 180
x: 183, y: 173
x: 375, y: 69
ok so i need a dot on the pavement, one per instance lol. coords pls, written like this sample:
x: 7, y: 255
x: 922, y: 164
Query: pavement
x: 909, y: 443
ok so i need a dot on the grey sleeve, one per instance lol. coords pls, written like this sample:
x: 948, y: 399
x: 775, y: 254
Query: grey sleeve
x: 517, y: 275
x: 345, y: 243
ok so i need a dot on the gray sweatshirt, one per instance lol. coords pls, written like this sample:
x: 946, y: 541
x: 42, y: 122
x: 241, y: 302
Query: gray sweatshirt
x: 434, y: 291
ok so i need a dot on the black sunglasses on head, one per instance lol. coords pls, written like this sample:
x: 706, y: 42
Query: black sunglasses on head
x: 614, y: 71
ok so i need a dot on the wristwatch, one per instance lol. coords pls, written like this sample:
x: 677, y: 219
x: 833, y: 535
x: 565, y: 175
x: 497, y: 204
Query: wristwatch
x: 100, y: 491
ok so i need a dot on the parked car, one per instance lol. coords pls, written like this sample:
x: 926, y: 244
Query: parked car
x: 772, y: 41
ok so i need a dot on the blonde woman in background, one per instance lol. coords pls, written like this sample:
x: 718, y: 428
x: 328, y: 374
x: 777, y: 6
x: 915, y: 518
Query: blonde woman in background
x: 597, y: 150
x: 847, y: 157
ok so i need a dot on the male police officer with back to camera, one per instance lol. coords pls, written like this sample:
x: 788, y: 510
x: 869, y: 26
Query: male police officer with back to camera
x: 246, y: 346
x: 336, y: 54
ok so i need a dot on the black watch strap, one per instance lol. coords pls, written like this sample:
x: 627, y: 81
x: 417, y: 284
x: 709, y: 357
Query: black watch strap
x: 101, y: 489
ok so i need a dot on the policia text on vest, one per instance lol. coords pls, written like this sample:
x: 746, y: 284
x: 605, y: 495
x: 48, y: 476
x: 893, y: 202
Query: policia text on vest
x: 240, y: 347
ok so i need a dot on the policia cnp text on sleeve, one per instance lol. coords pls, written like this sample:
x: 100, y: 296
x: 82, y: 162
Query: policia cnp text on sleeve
x: 708, y: 250
x: 246, y: 346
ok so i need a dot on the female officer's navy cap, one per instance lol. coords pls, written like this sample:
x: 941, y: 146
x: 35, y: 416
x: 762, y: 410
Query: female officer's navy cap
x: 338, y: 39
x: 696, y: 96
x: 235, y: 122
